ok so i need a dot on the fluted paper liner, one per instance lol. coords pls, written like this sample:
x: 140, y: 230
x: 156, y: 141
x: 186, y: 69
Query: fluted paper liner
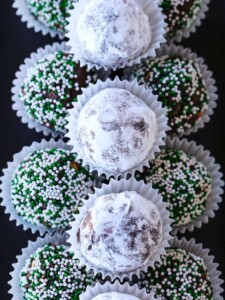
x: 212, y: 267
x: 214, y: 198
x: 125, y: 288
x: 116, y: 187
x: 206, y: 74
x: 15, y: 290
x: 23, y: 11
x: 18, y: 104
x: 186, y: 33
x: 5, y: 182
x: 156, y: 21
x: 136, y: 90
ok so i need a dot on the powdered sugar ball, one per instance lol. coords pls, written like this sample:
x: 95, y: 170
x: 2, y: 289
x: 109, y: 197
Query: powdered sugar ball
x: 116, y: 130
x: 120, y: 232
x: 113, y: 32
x: 115, y: 296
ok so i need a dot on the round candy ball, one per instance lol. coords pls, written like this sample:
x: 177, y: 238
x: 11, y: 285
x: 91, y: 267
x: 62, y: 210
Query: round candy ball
x: 116, y: 130
x: 182, y: 181
x: 47, y: 187
x: 113, y: 32
x: 180, y: 275
x: 180, y: 87
x: 51, y: 87
x: 114, y: 296
x: 120, y: 232
x: 52, y: 273
x: 51, y: 13
x: 180, y: 14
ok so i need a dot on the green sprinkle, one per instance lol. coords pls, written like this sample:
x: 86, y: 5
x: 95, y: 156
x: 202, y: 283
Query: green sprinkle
x: 52, y: 13
x: 52, y: 271
x: 51, y: 88
x: 48, y: 186
x: 180, y: 14
x: 179, y: 85
x: 182, y: 181
x: 179, y: 275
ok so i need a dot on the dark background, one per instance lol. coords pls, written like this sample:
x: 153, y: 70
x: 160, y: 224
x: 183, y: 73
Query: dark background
x: 17, y: 42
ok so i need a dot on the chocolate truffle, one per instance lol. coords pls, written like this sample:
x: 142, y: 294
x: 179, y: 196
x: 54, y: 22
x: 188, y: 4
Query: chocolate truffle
x: 183, y: 182
x: 180, y: 14
x: 51, y: 13
x: 116, y: 130
x: 180, y: 87
x: 180, y: 275
x: 51, y: 87
x: 120, y: 232
x: 113, y: 32
x: 47, y: 187
x: 115, y: 296
x: 52, y: 273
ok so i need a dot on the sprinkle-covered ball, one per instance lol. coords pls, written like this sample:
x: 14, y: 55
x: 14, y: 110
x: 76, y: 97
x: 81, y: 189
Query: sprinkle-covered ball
x: 51, y: 88
x: 180, y: 87
x: 52, y: 273
x: 47, y: 187
x: 180, y: 275
x: 180, y: 14
x: 182, y: 181
x: 51, y: 13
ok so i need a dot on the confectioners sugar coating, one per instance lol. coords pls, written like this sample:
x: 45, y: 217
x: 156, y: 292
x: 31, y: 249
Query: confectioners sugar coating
x: 114, y: 296
x: 113, y: 32
x: 120, y: 232
x: 116, y: 130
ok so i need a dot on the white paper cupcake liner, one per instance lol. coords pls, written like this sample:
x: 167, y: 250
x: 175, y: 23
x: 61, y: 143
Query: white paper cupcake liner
x: 125, y: 288
x: 18, y: 105
x: 114, y: 186
x: 212, y: 267
x: 217, y: 184
x: 138, y: 91
x: 186, y: 33
x: 207, y: 76
x: 5, y: 182
x: 23, y: 11
x: 156, y: 21
x: 15, y: 290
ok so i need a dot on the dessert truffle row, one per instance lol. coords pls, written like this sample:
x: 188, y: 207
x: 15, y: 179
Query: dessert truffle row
x: 50, y: 84
x: 45, y: 184
x: 181, y: 16
x: 47, y: 269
